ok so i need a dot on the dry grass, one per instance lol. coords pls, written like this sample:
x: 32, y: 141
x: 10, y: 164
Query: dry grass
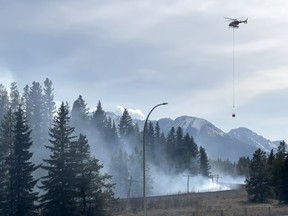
x: 222, y: 203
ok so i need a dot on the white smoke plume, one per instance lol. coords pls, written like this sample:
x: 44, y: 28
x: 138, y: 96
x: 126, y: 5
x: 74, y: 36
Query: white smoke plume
x: 134, y: 113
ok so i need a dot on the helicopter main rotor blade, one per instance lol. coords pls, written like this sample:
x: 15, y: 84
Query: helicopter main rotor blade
x: 229, y: 19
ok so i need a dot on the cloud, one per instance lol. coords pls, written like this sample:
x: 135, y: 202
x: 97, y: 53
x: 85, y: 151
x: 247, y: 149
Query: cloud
x: 134, y: 113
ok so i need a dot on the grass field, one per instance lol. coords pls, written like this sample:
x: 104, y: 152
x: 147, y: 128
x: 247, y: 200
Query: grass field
x: 222, y: 203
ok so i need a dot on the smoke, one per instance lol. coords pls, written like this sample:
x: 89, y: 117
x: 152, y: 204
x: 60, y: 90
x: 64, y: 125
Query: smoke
x: 134, y: 113
x: 167, y: 184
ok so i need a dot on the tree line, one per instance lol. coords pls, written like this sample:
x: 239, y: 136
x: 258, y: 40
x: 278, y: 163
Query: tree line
x: 52, y: 160
x: 268, y: 177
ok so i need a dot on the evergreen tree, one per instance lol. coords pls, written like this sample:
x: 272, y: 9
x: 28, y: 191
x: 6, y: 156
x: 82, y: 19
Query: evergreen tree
x: 277, y: 167
x: 150, y: 143
x: 170, y: 149
x: 99, y: 119
x: 14, y: 97
x: 35, y: 114
x: 283, y: 188
x: 257, y: 184
x: 159, y: 147
x: 190, y: 155
x: 126, y: 126
x: 204, y: 163
x: 111, y: 137
x: 6, y: 145
x: 49, y: 103
x: 180, y: 151
x: 59, y: 192
x: 80, y: 115
x: 4, y: 101
x: 94, y: 193
x: 25, y: 98
x: 21, y: 197
x: 243, y: 166
x: 128, y: 133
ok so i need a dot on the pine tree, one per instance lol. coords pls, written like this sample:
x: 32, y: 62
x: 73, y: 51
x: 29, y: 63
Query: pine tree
x: 277, y: 167
x: 35, y: 114
x: 6, y: 145
x: 204, y: 163
x: 59, y: 192
x: 243, y: 166
x: 126, y: 126
x: 159, y: 160
x: 14, y: 97
x: 49, y: 104
x: 111, y: 138
x: 94, y: 192
x: 190, y: 155
x: 80, y: 115
x: 25, y: 98
x: 127, y: 131
x: 283, y: 188
x: 258, y: 183
x: 4, y: 101
x: 21, y: 196
x: 150, y: 143
x: 170, y: 149
x: 99, y: 119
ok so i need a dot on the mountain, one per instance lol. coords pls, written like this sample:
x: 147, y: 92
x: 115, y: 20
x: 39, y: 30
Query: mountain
x: 253, y: 139
x: 218, y: 144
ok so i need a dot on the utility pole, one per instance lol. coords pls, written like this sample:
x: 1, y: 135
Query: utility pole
x: 216, y: 177
x: 188, y: 178
x: 130, y: 185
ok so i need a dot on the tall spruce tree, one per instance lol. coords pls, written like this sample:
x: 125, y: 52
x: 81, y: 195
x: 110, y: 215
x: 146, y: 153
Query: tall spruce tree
x: 150, y: 143
x: 35, y: 114
x: 25, y: 98
x: 94, y: 192
x: 258, y: 183
x: 283, y: 195
x: 4, y: 101
x: 14, y: 97
x: 170, y: 149
x: 204, y: 163
x: 6, y: 145
x: 80, y: 115
x: 49, y: 104
x: 98, y: 119
x: 243, y: 166
x: 126, y: 126
x: 58, y: 186
x: 190, y: 155
x: 127, y: 131
x: 21, y: 198
x: 277, y: 167
x: 159, y: 161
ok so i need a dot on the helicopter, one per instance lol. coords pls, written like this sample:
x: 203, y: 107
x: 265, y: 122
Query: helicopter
x: 235, y: 22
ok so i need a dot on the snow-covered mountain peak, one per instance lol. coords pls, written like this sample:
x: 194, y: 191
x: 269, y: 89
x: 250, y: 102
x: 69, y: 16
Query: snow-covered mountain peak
x: 251, y: 138
x: 188, y: 121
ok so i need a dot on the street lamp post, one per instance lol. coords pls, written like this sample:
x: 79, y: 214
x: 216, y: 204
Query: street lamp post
x: 144, y: 159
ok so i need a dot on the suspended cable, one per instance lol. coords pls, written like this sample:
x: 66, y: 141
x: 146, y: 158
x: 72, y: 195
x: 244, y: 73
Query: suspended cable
x: 234, y: 24
x: 233, y: 75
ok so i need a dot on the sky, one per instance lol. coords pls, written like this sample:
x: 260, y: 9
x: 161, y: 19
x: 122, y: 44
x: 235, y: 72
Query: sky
x: 136, y: 54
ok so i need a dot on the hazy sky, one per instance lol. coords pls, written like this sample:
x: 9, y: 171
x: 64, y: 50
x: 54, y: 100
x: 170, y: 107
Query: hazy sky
x: 138, y: 53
